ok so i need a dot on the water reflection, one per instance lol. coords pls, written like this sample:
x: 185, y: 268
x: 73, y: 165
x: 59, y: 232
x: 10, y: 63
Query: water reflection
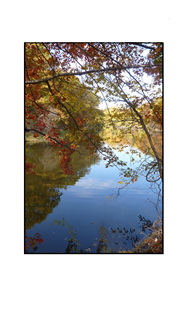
x: 31, y: 243
x: 42, y: 192
x: 110, y: 240
x: 93, y: 222
x: 136, y: 139
x: 150, y: 166
x: 40, y: 200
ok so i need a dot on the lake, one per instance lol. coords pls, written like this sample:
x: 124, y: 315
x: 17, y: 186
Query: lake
x: 87, y: 212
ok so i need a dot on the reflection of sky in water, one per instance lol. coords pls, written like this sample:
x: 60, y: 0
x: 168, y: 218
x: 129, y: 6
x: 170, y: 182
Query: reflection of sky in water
x: 86, y: 207
x: 102, y: 181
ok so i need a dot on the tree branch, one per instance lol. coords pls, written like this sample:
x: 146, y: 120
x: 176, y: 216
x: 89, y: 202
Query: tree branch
x: 64, y: 145
x: 88, y: 72
x: 141, y: 45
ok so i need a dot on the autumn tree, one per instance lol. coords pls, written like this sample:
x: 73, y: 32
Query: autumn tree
x: 72, y: 77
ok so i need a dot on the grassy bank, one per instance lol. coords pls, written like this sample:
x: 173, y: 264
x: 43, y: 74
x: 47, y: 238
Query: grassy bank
x: 31, y: 140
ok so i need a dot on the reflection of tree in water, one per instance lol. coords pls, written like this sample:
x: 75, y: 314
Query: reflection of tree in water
x: 106, y: 236
x: 138, y: 141
x: 32, y: 243
x: 145, y: 223
x: 40, y: 200
x: 71, y: 246
x: 136, y: 138
x: 72, y: 243
x: 103, y: 242
x: 47, y: 164
x: 127, y: 236
x: 42, y: 193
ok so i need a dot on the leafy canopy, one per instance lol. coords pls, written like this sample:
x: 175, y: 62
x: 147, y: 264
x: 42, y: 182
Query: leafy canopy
x: 65, y: 82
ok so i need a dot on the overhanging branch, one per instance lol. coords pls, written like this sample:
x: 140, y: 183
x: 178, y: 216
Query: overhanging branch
x: 88, y: 72
x: 142, y: 45
x: 37, y: 131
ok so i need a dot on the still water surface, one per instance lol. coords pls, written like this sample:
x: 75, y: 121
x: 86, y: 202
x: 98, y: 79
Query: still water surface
x: 83, y: 213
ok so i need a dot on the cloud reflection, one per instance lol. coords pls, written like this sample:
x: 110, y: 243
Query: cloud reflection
x: 94, y: 183
x: 90, y: 187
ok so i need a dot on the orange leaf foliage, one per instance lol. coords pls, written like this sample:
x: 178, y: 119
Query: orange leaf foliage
x: 36, y: 135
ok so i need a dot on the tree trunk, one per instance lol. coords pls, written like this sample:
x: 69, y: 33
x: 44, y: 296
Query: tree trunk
x: 159, y: 162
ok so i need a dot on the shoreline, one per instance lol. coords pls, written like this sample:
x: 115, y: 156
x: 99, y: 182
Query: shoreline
x: 152, y: 243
